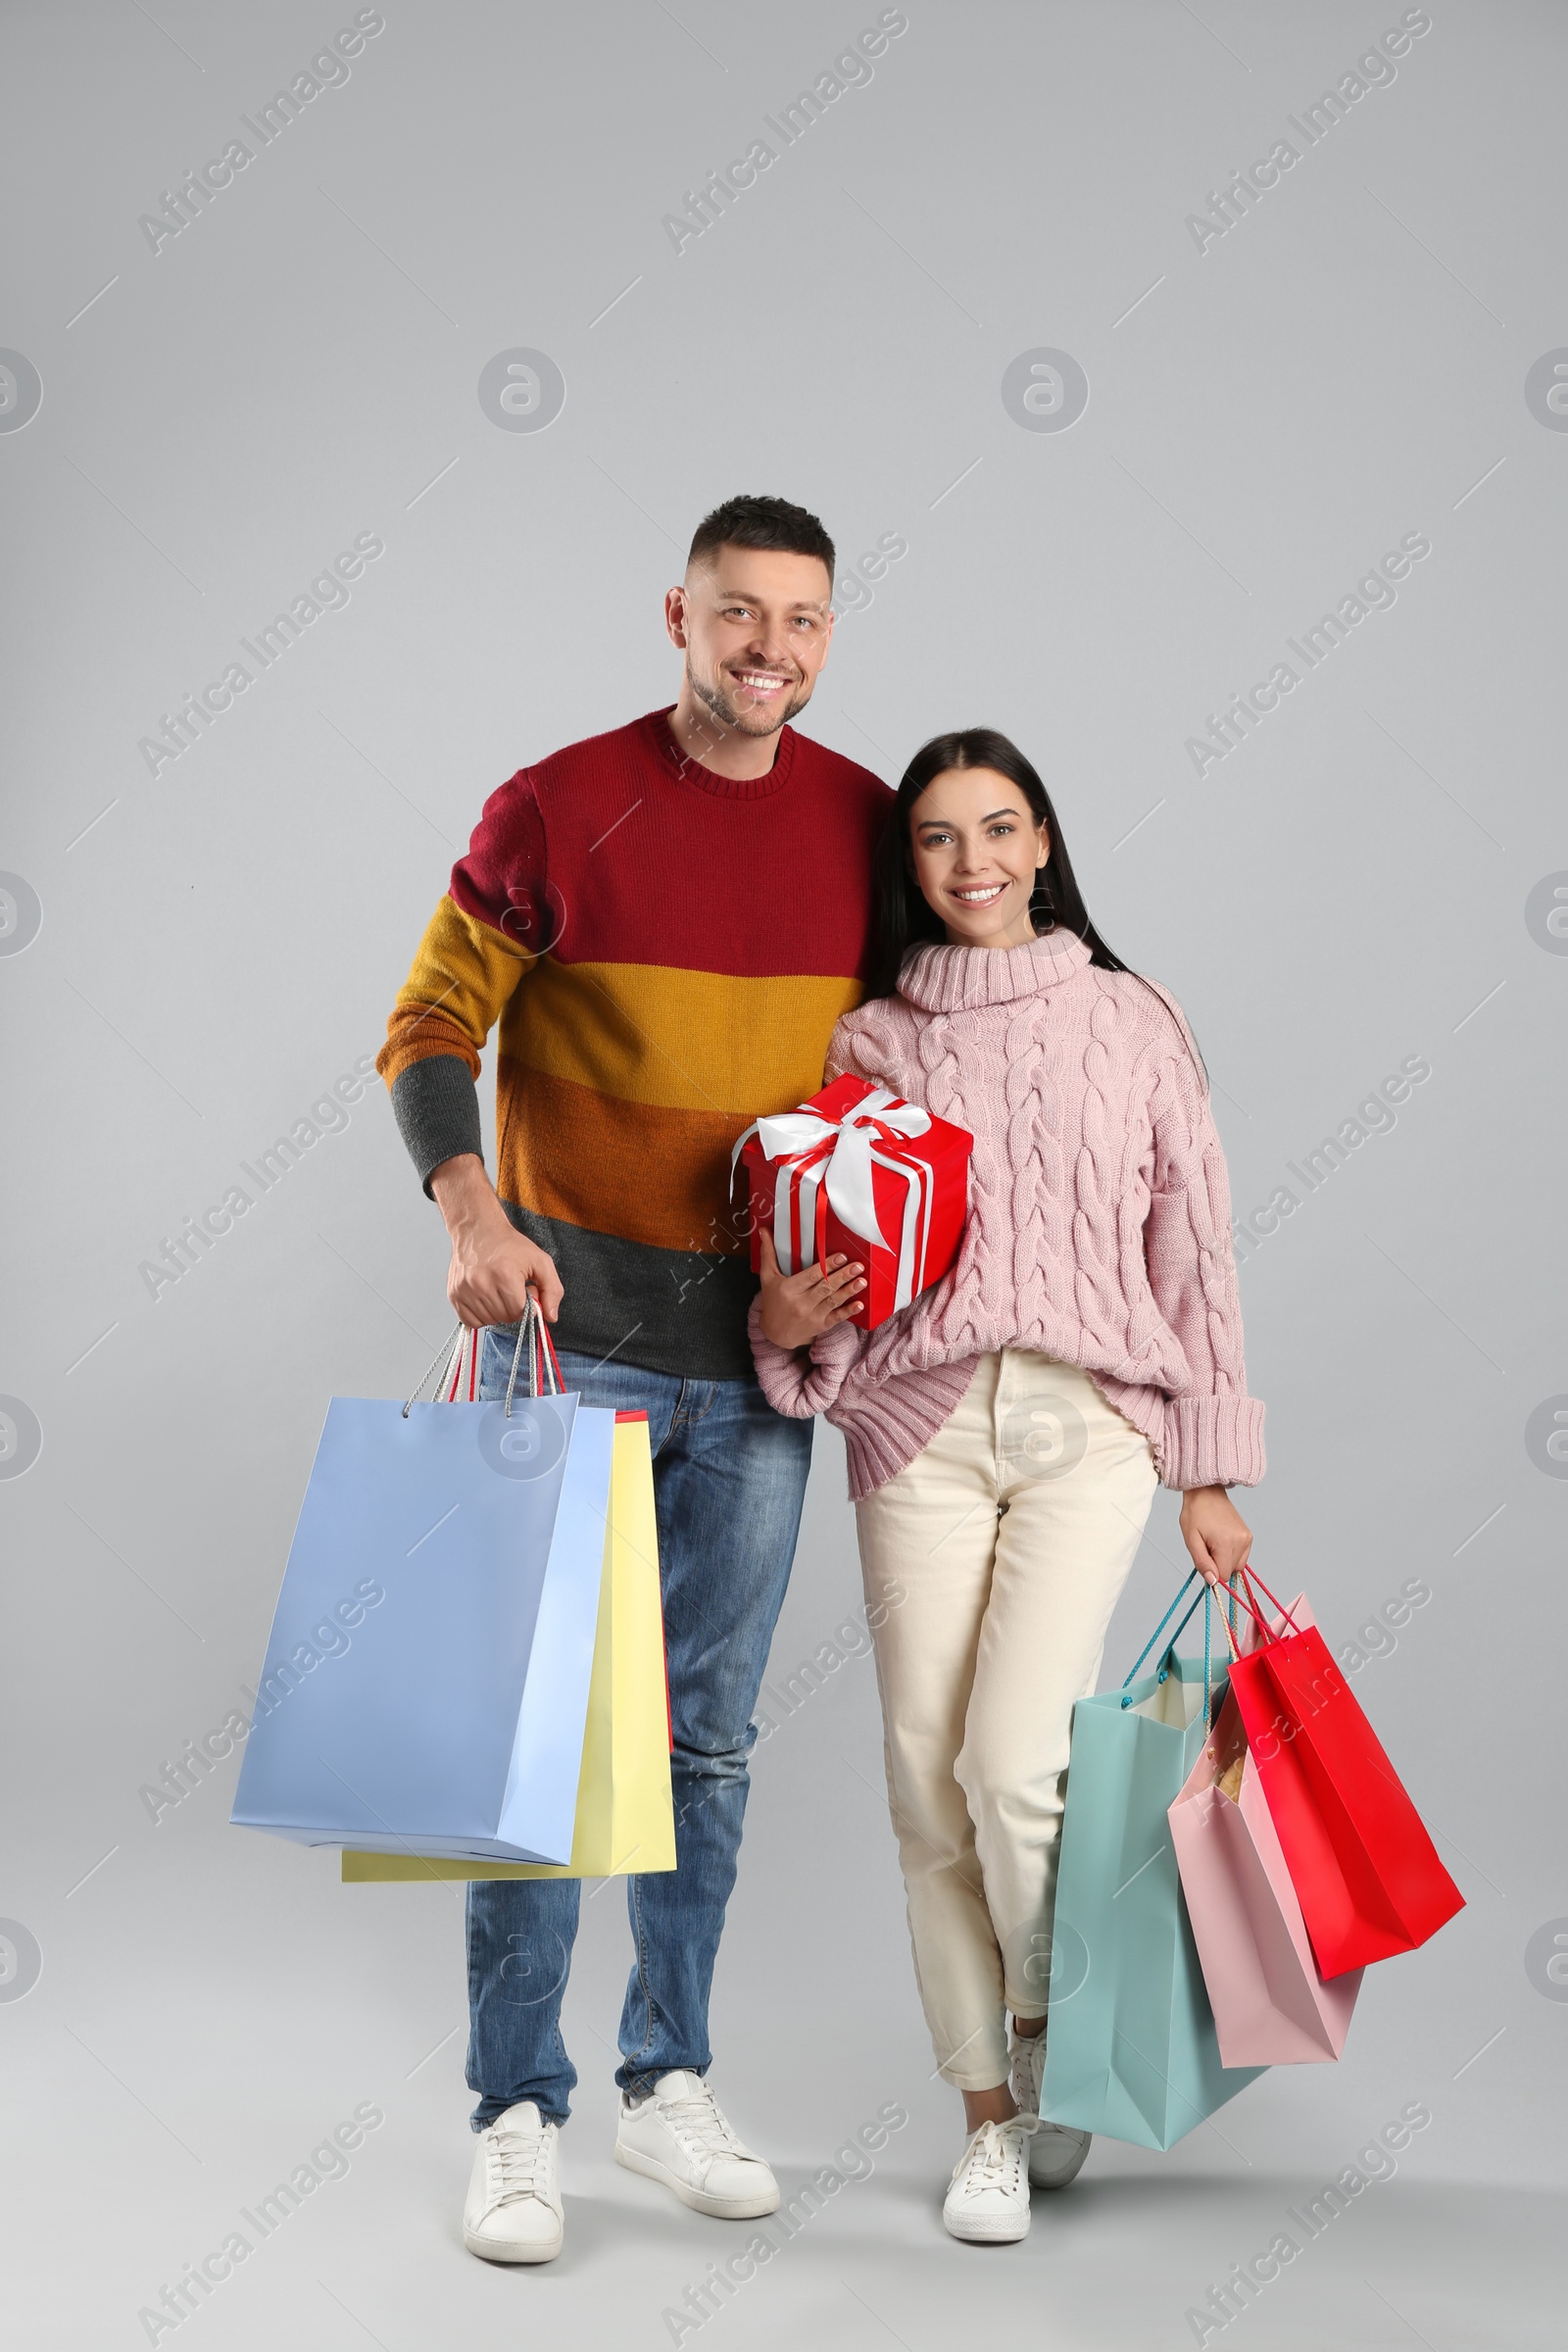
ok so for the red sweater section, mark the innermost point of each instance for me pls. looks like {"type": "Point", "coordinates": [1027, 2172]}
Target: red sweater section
{"type": "Point", "coordinates": [620, 850]}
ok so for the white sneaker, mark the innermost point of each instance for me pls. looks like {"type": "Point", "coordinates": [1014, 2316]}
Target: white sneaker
{"type": "Point", "coordinates": [989, 2199]}
{"type": "Point", "coordinates": [1056, 2152]}
{"type": "Point", "coordinates": [512, 2211]}
{"type": "Point", "coordinates": [677, 2135]}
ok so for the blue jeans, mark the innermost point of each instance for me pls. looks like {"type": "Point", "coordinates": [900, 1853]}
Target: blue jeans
{"type": "Point", "coordinates": [729, 1478]}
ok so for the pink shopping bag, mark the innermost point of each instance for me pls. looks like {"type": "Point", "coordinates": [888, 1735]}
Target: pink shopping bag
{"type": "Point", "coordinates": [1271, 2007]}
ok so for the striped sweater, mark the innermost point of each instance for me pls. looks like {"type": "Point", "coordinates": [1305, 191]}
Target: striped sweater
{"type": "Point", "coordinates": [667, 952]}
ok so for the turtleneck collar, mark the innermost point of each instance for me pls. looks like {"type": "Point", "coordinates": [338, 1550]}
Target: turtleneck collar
{"type": "Point", "coordinates": [944, 979]}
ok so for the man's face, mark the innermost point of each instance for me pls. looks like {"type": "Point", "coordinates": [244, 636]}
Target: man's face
{"type": "Point", "coordinates": [754, 630]}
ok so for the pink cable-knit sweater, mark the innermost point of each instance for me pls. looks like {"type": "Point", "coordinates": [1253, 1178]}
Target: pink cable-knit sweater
{"type": "Point", "coordinates": [1099, 1224]}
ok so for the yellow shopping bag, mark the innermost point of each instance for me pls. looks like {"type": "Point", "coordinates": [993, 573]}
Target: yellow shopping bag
{"type": "Point", "coordinates": [625, 1820]}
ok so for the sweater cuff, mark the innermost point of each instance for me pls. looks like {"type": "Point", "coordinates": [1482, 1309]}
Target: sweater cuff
{"type": "Point", "coordinates": [794, 1383]}
{"type": "Point", "coordinates": [436, 1104]}
{"type": "Point", "coordinates": [1212, 1441]}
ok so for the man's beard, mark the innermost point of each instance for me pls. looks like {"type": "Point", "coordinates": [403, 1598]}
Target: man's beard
{"type": "Point", "coordinates": [740, 722]}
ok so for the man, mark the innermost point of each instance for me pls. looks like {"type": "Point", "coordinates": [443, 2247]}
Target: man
{"type": "Point", "coordinates": [666, 921]}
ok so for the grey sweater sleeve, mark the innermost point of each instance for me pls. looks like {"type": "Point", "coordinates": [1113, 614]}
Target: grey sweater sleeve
{"type": "Point", "coordinates": [436, 1105]}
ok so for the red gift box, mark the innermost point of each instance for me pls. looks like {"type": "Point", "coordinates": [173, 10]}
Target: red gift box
{"type": "Point", "coordinates": [858, 1170]}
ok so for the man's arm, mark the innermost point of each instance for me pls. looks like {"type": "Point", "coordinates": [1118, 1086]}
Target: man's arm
{"type": "Point", "coordinates": [494, 1269]}
{"type": "Point", "coordinates": [478, 947]}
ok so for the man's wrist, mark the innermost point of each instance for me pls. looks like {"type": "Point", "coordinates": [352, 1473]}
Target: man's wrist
{"type": "Point", "coordinates": [464, 1192]}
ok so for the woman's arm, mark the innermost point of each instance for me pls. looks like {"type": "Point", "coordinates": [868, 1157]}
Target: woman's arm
{"type": "Point", "coordinates": [797, 1383]}
{"type": "Point", "coordinates": [794, 1312]}
{"type": "Point", "coordinates": [1214, 1435]}
{"type": "Point", "coordinates": [1215, 1533]}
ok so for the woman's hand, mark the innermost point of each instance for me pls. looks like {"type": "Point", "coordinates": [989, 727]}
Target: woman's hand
{"type": "Point", "coordinates": [797, 1306]}
{"type": "Point", "coordinates": [1214, 1533]}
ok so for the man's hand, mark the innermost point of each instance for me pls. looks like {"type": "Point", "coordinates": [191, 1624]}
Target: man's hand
{"type": "Point", "coordinates": [797, 1306]}
{"type": "Point", "coordinates": [1214, 1533]}
{"type": "Point", "coordinates": [495, 1270]}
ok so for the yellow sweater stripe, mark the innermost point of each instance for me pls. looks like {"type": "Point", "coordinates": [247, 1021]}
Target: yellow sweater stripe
{"type": "Point", "coordinates": [461, 981]}
{"type": "Point", "coordinates": [679, 1040]}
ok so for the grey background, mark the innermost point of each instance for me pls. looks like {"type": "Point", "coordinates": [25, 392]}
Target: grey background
{"type": "Point", "coordinates": [1265, 419]}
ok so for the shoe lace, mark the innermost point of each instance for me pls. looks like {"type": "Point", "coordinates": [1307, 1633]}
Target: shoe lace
{"type": "Point", "coordinates": [523, 2163]}
{"type": "Point", "coordinates": [996, 2152]}
{"type": "Point", "coordinates": [1029, 2061]}
{"type": "Point", "coordinates": [698, 2119]}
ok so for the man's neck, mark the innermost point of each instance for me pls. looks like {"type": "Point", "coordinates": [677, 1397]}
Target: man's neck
{"type": "Point", "coordinates": [725, 749]}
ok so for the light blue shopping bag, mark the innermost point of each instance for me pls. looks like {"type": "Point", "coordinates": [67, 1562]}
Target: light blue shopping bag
{"type": "Point", "coordinates": [1131, 2049]}
{"type": "Point", "coordinates": [426, 1684]}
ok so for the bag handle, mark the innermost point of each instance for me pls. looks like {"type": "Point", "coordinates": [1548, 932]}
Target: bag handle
{"type": "Point", "coordinates": [447, 1359]}
{"type": "Point", "coordinates": [467, 1346]}
{"type": "Point", "coordinates": [1249, 1576]}
{"type": "Point", "coordinates": [1132, 1671]}
{"type": "Point", "coordinates": [1206, 1598]}
{"type": "Point", "coordinates": [544, 1365]}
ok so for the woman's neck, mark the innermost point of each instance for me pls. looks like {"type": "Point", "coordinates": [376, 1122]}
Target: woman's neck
{"type": "Point", "coordinates": [1020, 933]}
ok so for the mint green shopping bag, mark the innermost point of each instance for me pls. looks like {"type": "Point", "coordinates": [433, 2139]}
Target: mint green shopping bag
{"type": "Point", "coordinates": [1131, 2049]}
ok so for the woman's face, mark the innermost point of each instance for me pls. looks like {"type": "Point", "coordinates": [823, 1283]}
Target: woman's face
{"type": "Point", "coordinates": [974, 849]}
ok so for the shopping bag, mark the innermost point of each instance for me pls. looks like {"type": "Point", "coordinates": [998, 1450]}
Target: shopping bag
{"type": "Point", "coordinates": [1131, 2049]}
{"type": "Point", "coordinates": [426, 1684]}
{"type": "Point", "coordinates": [625, 1820]}
{"type": "Point", "coordinates": [1366, 1873]}
{"type": "Point", "coordinates": [1271, 2007]}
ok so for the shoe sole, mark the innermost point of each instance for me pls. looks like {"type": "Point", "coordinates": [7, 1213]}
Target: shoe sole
{"type": "Point", "coordinates": [491, 2250]}
{"type": "Point", "coordinates": [720, 2209]}
{"type": "Point", "coordinates": [1000, 2232]}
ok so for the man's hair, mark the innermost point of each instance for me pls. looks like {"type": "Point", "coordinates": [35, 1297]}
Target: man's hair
{"type": "Point", "coordinates": [769, 523]}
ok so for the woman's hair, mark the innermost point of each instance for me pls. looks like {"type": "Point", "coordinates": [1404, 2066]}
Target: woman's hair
{"type": "Point", "coordinates": [902, 916]}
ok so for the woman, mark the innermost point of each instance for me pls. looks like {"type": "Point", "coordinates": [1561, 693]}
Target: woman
{"type": "Point", "coordinates": [1007, 1430]}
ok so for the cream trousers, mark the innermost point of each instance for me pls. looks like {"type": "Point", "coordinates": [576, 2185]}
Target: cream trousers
{"type": "Point", "coordinates": [992, 1566]}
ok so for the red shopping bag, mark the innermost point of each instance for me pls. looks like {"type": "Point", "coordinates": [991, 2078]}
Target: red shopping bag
{"type": "Point", "coordinates": [1365, 1871]}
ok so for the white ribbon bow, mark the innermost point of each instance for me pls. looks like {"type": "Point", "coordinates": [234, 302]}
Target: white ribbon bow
{"type": "Point", "coordinates": [848, 1174]}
